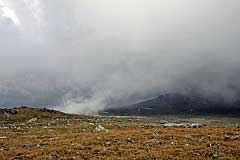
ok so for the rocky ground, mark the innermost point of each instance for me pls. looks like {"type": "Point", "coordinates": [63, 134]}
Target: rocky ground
{"type": "Point", "coordinates": [27, 133]}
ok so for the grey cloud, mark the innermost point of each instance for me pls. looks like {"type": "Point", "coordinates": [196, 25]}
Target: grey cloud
{"type": "Point", "coordinates": [82, 56]}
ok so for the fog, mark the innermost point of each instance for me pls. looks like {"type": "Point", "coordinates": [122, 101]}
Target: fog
{"type": "Point", "coordinates": [82, 56]}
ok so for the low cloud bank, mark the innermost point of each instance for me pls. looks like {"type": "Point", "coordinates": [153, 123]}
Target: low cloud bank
{"type": "Point", "coordinates": [83, 56]}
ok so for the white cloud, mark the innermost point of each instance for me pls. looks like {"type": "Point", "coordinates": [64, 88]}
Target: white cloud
{"type": "Point", "coordinates": [9, 13]}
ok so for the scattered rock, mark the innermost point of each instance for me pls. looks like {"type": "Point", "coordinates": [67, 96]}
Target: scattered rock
{"type": "Point", "coordinates": [214, 144]}
{"type": "Point", "coordinates": [183, 125]}
{"type": "Point", "coordinates": [171, 138]}
{"type": "Point", "coordinates": [195, 125]}
{"type": "Point", "coordinates": [201, 139]}
{"type": "Point", "coordinates": [32, 120]}
{"type": "Point", "coordinates": [130, 140]}
{"type": "Point", "coordinates": [108, 143]}
{"type": "Point", "coordinates": [30, 145]}
{"type": "Point", "coordinates": [100, 128]}
{"type": "Point", "coordinates": [7, 112]}
{"type": "Point", "coordinates": [48, 110]}
{"type": "Point", "coordinates": [209, 145]}
{"type": "Point", "coordinates": [148, 145]}
{"type": "Point", "coordinates": [163, 122]}
{"type": "Point", "coordinates": [163, 142]}
{"type": "Point", "coordinates": [83, 129]}
{"type": "Point", "coordinates": [231, 136]}
{"type": "Point", "coordinates": [8, 148]}
{"type": "Point", "coordinates": [188, 137]}
{"type": "Point", "coordinates": [216, 155]}
{"type": "Point", "coordinates": [3, 137]}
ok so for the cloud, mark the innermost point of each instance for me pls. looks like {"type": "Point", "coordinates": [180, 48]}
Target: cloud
{"type": "Point", "coordinates": [83, 56]}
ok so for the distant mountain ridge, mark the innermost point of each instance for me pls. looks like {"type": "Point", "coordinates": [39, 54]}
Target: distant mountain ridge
{"type": "Point", "coordinates": [174, 103]}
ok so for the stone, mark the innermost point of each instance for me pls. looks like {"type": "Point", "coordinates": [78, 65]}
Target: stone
{"type": "Point", "coordinates": [163, 142]}
{"type": "Point", "coordinates": [130, 140]}
{"type": "Point", "coordinates": [100, 128]}
{"type": "Point", "coordinates": [188, 137]}
{"type": "Point", "coordinates": [30, 145]}
{"type": "Point", "coordinates": [3, 137]}
{"type": "Point", "coordinates": [32, 120]}
{"type": "Point", "coordinates": [108, 143]}
{"type": "Point", "coordinates": [183, 125]}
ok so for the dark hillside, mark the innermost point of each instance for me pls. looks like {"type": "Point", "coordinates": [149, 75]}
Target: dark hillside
{"type": "Point", "coordinates": [177, 104]}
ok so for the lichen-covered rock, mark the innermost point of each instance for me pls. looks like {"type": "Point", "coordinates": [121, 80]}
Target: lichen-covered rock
{"type": "Point", "coordinates": [100, 128]}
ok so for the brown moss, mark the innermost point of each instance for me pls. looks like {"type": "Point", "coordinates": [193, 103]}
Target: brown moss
{"type": "Point", "coordinates": [73, 137]}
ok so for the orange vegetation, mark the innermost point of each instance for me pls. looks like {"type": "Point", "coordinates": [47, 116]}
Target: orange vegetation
{"type": "Point", "coordinates": [63, 136]}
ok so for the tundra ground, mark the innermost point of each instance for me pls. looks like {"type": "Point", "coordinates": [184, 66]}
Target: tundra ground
{"type": "Point", "coordinates": [44, 134]}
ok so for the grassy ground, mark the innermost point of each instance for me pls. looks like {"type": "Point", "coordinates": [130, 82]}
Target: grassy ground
{"type": "Point", "coordinates": [37, 134]}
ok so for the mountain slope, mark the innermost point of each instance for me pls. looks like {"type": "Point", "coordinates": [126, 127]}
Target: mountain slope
{"type": "Point", "coordinates": [177, 104]}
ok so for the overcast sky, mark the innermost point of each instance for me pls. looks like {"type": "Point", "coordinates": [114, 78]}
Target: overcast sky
{"type": "Point", "coordinates": [84, 55]}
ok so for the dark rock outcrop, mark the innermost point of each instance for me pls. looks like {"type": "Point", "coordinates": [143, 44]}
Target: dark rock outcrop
{"type": "Point", "coordinates": [7, 112]}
